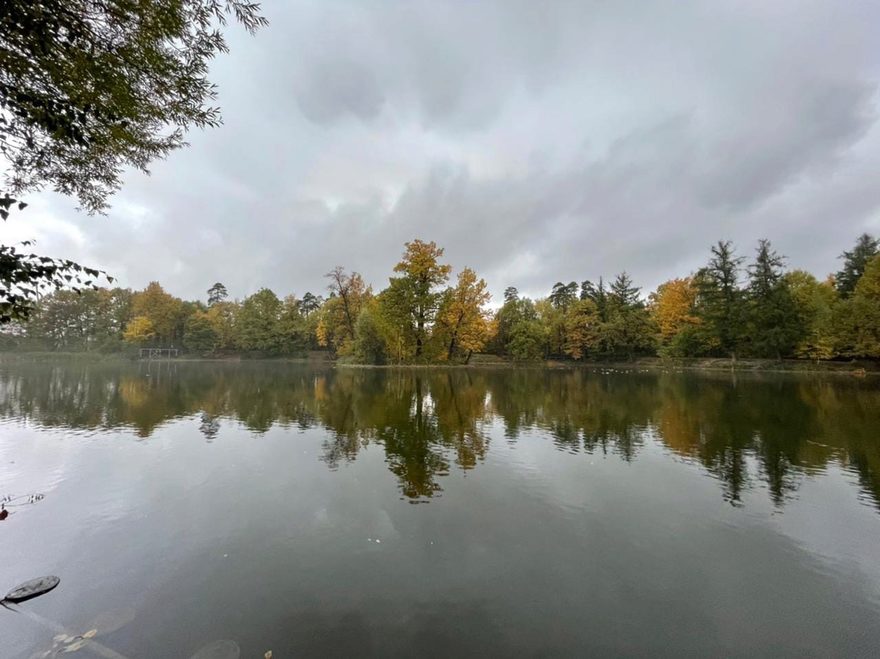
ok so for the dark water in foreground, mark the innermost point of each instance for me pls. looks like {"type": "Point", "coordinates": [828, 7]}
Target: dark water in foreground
{"type": "Point", "coordinates": [563, 513]}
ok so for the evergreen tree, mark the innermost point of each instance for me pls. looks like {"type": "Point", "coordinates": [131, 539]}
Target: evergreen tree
{"type": "Point", "coordinates": [623, 293]}
{"type": "Point", "coordinates": [597, 294]}
{"type": "Point", "coordinates": [720, 300]}
{"type": "Point", "coordinates": [563, 294]}
{"type": "Point", "coordinates": [774, 325]}
{"type": "Point", "coordinates": [854, 263]}
{"type": "Point", "coordinates": [217, 293]}
{"type": "Point", "coordinates": [311, 302]}
{"type": "Point", "coordinates": [627, 328]}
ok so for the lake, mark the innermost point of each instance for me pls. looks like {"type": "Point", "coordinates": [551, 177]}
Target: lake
{"type": "Point", "coordinates": [313, 511]}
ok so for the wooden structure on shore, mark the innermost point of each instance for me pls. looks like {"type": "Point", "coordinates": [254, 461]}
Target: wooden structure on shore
{"type": "Point", "coordinates": [159, 353]}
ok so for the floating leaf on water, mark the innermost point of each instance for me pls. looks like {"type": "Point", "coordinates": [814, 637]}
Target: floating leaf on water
{"type": "Point", "coordinates": [32, 588]}
{"type": "Point", "coordinates": [219, 650]}
{"type": "Point", "coordinates": [73, 647]}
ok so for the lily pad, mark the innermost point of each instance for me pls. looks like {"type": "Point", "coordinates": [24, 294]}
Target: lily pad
{"type": "Point", "coordinates": [32, 588]}
{"type": "Point", "coordinates": [219, 650]}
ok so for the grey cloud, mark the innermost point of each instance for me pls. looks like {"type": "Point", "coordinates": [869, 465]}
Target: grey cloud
{"type": "Point", "coordinates": [535, 142]}
{"type": "Point", "coordinates": [784, 135]}
{"type": "Point", "coordinates": [338, 88]}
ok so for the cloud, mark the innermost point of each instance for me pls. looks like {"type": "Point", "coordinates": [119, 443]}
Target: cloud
{"type": "Point", "coordinates": [536, 143]}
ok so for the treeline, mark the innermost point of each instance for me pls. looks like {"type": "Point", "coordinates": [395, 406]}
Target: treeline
{"type": "Point", "coordinates": [728, 308]}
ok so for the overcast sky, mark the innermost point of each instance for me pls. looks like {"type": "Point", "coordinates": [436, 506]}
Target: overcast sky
{"type": "Point", "coordinates": [535, 141]}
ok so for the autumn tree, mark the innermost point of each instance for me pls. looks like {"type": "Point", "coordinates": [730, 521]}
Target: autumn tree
{"type": "Point", "coordinates": [462, 323]}
{"type": "Point", "coordinates": [223, 317]}
{"type": "Point", "coordinates": [413, 298]}
{"type": "Point", "coordinates": [673, 310]}
{"type": "Point", "coordinates": [583, 328]}
{"type": "Point", "coordinates": [854, 263]}
{"type": "Point", "coordinates": [139, 331]}
{"type": "Point", "coordinates": [163, 310]}
{"type": "Point", "coordinates": [814, 302]}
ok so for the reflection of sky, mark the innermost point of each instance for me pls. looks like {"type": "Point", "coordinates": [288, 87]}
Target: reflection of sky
{"type": "Point", "coordinates": [826, 518]}
{"type": "Point", "coordinates": [179, 527]}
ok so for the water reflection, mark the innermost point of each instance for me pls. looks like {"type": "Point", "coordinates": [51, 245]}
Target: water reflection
{"type": "Point", "coordinates": [768, 431]}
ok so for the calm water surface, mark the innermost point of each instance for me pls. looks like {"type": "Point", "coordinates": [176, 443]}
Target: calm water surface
{"type": "Point", "coordinates": [448, 513]}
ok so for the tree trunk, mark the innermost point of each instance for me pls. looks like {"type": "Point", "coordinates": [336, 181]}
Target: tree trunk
{"type": "Point", "coordinates": [451, 350]}
{"type": "Point", "coordinates": [420, 329]}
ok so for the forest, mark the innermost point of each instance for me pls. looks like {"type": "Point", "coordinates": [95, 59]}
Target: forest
{"type": "Point", "coordinates": [728, 308]}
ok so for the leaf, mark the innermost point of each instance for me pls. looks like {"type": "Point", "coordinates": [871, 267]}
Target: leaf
{"type": "Point", "coordinates": [73, 647]}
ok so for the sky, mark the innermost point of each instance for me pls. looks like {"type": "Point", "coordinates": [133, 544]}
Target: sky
{"type": "Point", "coordinates": [535, 141]}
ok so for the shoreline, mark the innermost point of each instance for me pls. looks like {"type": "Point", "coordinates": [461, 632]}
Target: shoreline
{"type": "Point", "coordinates": [854, 368]}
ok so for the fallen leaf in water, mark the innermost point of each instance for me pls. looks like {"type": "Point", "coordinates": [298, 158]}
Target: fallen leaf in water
{"type": "Point", "coordinates": [73, 647]}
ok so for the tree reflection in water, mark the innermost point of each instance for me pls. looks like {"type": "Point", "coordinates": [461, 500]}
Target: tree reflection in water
{"type": "Point", "coordinates": [760, 430]}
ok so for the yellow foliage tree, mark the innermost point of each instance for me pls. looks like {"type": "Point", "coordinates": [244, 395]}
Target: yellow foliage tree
{"type": "Point", "coordinates": [582, 326]}
{"type": "Point", "coordinates": [413, 298]}
{"type": "Point", "coordinates": [672, 307]}
{"type": "Point", "coordinates": [139, 330]}
{"type": "Point", "coordinates": [461, 320]}
{"type": "Point", "coordinates": [160, 308]}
